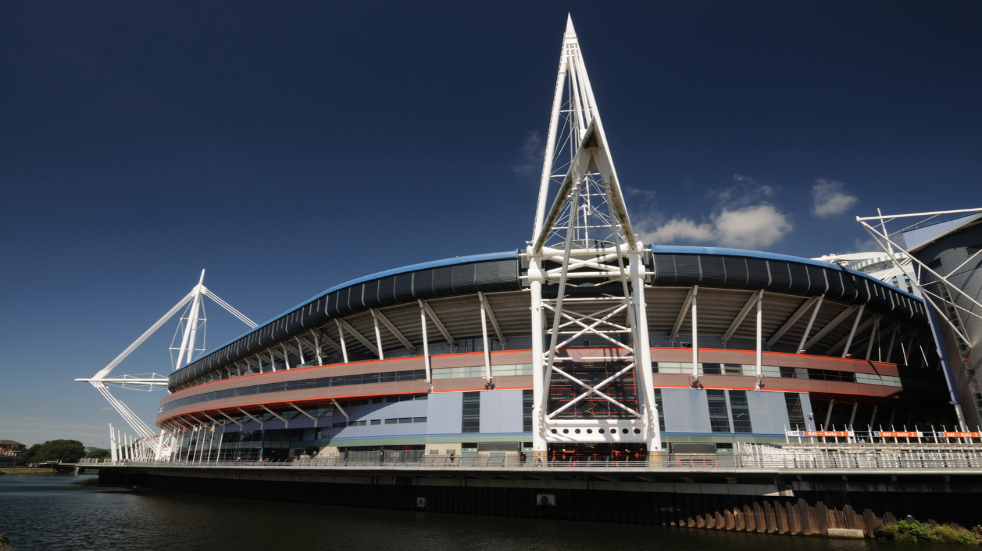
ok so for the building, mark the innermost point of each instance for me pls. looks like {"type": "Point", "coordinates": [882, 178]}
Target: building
{"type": "Point", "coordinates": [585, 344]}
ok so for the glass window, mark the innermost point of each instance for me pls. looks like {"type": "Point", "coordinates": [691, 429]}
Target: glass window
{"type": "Point", "coordinates": [527, 399]}
{"type": "Point", "coordinates": [471, 412]}
{"type": "Point", "coordinates": [719, 421]}
{"type": "Point", "coordinates": [740, 410]}
{"type": "Point", "coordinates": [405, 420]}
{"type": "Point", "coordinates": [711, 369]}
{"type": "Point", "coordinates": [378, 400]}
{"type": "Point", "coordinates": [796, 416]}
{"type": "Point", "coordinates": [661, 410]}
{"type": "Point", "coordinates": [419, 419]}
{"type": "Point", "coordinates": [391, 421]}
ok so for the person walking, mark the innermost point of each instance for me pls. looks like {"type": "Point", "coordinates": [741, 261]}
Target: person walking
{"type": "Point", "coordinates": [453, 455]}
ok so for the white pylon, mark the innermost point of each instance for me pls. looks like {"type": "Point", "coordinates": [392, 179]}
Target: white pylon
{"type": "Point", "coordinates": [586, 241]}
{"type": "Point", "coordinates": [186, 354]}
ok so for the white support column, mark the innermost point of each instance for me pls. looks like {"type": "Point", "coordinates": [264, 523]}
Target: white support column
{"type": "Point", "coordinates": [695, 337]}
{"type": "Point", "coordinates": [317, 346]}
{"type": "Point", "coordinates": [760, 339]}
{"type": "Point", "coordinates": [272, 359]}
{"type": "Point", "coordinates": [286, 357]}
{"type": "Point", "coordinates": [872, 337]}
{"type": "Point", "coordinates": [642, 354]}
{"type": "Point", "coordinates": [426, 346]}
{"type": "Point", "coordinates": [852, 416]}
{"type": "Point", "coordinates": [852, 333]}
{"type": "Point", "coordinates": [300, 350]}
{"type": "Point", "coordinates": [112, 444]}
{"type": "Point", "coordinates": [484, 336]}
{"type": "Point", "coordinates": [536, 276]}
{"type": "Point", "coordinates": [811, 322]}
{"type": "Point", "coordinates": [893, 341]}
{"type": "Point", "coordinates": [378, 336]}
{"type": "Point", "coordinates": [828, 415]}
{"type": "Point", "coordinates": [344, 348]}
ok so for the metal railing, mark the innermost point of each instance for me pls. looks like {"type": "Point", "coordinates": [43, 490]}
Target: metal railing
{"type": "Point", "coordinates": [753, 458]}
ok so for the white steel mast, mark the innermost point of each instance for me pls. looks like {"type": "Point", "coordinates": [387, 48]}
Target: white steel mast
{"type": "Point", "coordinates": [585, 240]}
{"type": "Point", "coordinates": [195, 320]}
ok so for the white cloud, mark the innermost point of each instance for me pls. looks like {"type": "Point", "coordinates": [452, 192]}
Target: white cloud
{"type": "Point", "coordinates": [829, 198]}
{"type": "Point", "coordinates": [680, 230]}
{"type": "Point", "coordinates": [642, 194]}
{"type": "Point", "coordinates": [532, 154]}
{"type": "Point", "coordinates": [745, 192]}
{"type": "Point", "coordinates": [751, 227]}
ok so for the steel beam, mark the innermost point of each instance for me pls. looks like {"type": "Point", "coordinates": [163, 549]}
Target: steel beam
{"type": "Point", "coordinates": [439, 324]}
{"type": "Point", "coordinates": [392, 329]}
{"type": "Point", "coordinates": [791, 321]}
{"type": "Point", "coordinates": [740, 317]}
{"type": "Point", "coordinates": [683, 312]}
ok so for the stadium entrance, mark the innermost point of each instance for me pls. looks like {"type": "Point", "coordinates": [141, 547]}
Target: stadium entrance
{"type": "Point", "coordinates": [598, 451]}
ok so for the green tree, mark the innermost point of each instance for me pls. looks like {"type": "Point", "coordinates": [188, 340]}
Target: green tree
{"type": "Point", "coordinates": [68, 451]}
{"type": "Point", "coordinates": [98, 454]}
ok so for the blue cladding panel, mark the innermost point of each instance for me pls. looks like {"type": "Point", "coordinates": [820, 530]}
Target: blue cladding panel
{"type": "Point", "coordinates": [686, 410]}
{"type": "Point", "coordinates": [501, 411]}
{"type": "Point", "coordinates": [444, 413]}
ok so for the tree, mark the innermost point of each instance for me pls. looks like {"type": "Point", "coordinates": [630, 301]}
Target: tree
{"type": "Point", "coordinates": [98, 454]}
{"type": "Point", "coordinates": [67, 451]}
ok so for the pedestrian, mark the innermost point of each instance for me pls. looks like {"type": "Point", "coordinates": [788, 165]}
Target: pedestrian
{"type": "Point", "coordinates": [453, 455]}
{"type": "Point", "coordinates": [523, 457]}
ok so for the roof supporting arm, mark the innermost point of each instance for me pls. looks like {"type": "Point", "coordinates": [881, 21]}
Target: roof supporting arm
{"type": "Point", "coordinates": [490, 313]}
{"type": "Point", "coordinates": [857, 328]}
{"type": "Point", "coordinates": [286, 422]}
{"type": "Point", "coordinates": [247, 414]}
{"type": "Point", "coordinates": [829, 327]}
{"type": "Point", "coordinates": [751, 302]}
{"type": "Point", "coordinates": [341, 409]}
{"type": "Point", "coordinates": [683, 312]}
{"type": "Point", "coordinates": [791, 321]}
{"type": "Point", "coordinates": [811, 323]}
{"type": "Point", "coordinates": [436, 321]}
{"type": "Point", "coordinates": [294, 406]}
{"type": "Point", "coordinates": [392, 329]}
{"type": "Point", "coordinates": [230, 419]}
{"type": "Point", "coordinates": [361, 338]}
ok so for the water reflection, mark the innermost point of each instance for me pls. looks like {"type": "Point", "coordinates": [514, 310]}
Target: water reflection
{"type": "Point", "coordinates": [64, 512]}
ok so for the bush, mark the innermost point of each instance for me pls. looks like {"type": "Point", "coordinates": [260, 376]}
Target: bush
{"type": "Point", "coordinates": [913, 532]}
{"type": "Point", "coordinates": [98, 454]}
{"type": "Point", "coordinates": [5, 543]}
{"type": "Point", "coordinates": [67, 451]}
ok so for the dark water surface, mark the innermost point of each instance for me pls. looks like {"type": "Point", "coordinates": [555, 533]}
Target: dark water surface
{"type": "Point", "coordinates": [67, 512]}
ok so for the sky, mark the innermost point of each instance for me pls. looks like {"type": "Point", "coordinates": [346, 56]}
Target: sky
{"type": "Point", "coordinates": [286, 147]}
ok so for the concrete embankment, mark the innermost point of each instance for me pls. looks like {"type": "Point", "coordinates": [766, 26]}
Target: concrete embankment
{"type": "Point", "coordinates": [774, 501]}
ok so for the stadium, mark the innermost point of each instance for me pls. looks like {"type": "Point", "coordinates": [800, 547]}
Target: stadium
{"type": "Point", "coordinates": [584, 344]}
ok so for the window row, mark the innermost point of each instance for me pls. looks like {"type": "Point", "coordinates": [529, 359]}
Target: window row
{"type": "Point", "coordinates": [749, 370]}
{"type": "Point", "coordinates": [303, 384]}
{"type": "Point", "coordinates": [370, 422]}
{"type": "Point", "coordinates": [479, 371]}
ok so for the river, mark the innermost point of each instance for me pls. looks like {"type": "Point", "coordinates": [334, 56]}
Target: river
{"type": "Point", "coordinates": [64, 512]}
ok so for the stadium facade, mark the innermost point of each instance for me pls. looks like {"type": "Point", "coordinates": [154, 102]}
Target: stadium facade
{"type": "Point", "coordinates": [586, 343]}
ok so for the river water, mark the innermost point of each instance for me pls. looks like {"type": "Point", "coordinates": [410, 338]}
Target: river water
{"type": "Point", "coordinates": [72, 513]}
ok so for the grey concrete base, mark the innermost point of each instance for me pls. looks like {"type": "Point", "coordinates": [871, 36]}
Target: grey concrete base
{"type": "Point", "coordinates": [845, 533]}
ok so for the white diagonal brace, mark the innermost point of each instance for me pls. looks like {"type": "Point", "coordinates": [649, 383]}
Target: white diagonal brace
{"type": "Point", "coordinates": [337, 405]}
{"type": "Point", "coordinates": [286, 422]}
{"type": "Point", "coordinates": [829, 327]}
{"type": "Point", "coordinates": [791, 321]}
{"type": "Point", "coordinates": [490, 313]}
{"type": "Point", "coordinates": [392, 329]}
{"type": "Point", "coordinates": [436, 321]}
{"type": "Point", "coordinates": [230, 418]}
{"type": "Point", "coordinates": [751, 302]}
{"type": "Point", "coordinates": [247, 414]}
{"type": "Point", "coordinates": [368, 344]}
{"type": "Point", "coordinates": [294, 406]}
{"type": "Point", "coordinates": [683, 312]}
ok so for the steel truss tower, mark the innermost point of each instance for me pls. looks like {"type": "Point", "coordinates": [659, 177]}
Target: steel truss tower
{"type": "Point", "coordinates": [147, 444]}
{"type": "Point", "coordinates": [586, 275]}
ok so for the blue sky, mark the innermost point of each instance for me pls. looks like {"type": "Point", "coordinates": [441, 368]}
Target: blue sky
{"type": "Point", "coordinates": [287, 147]}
